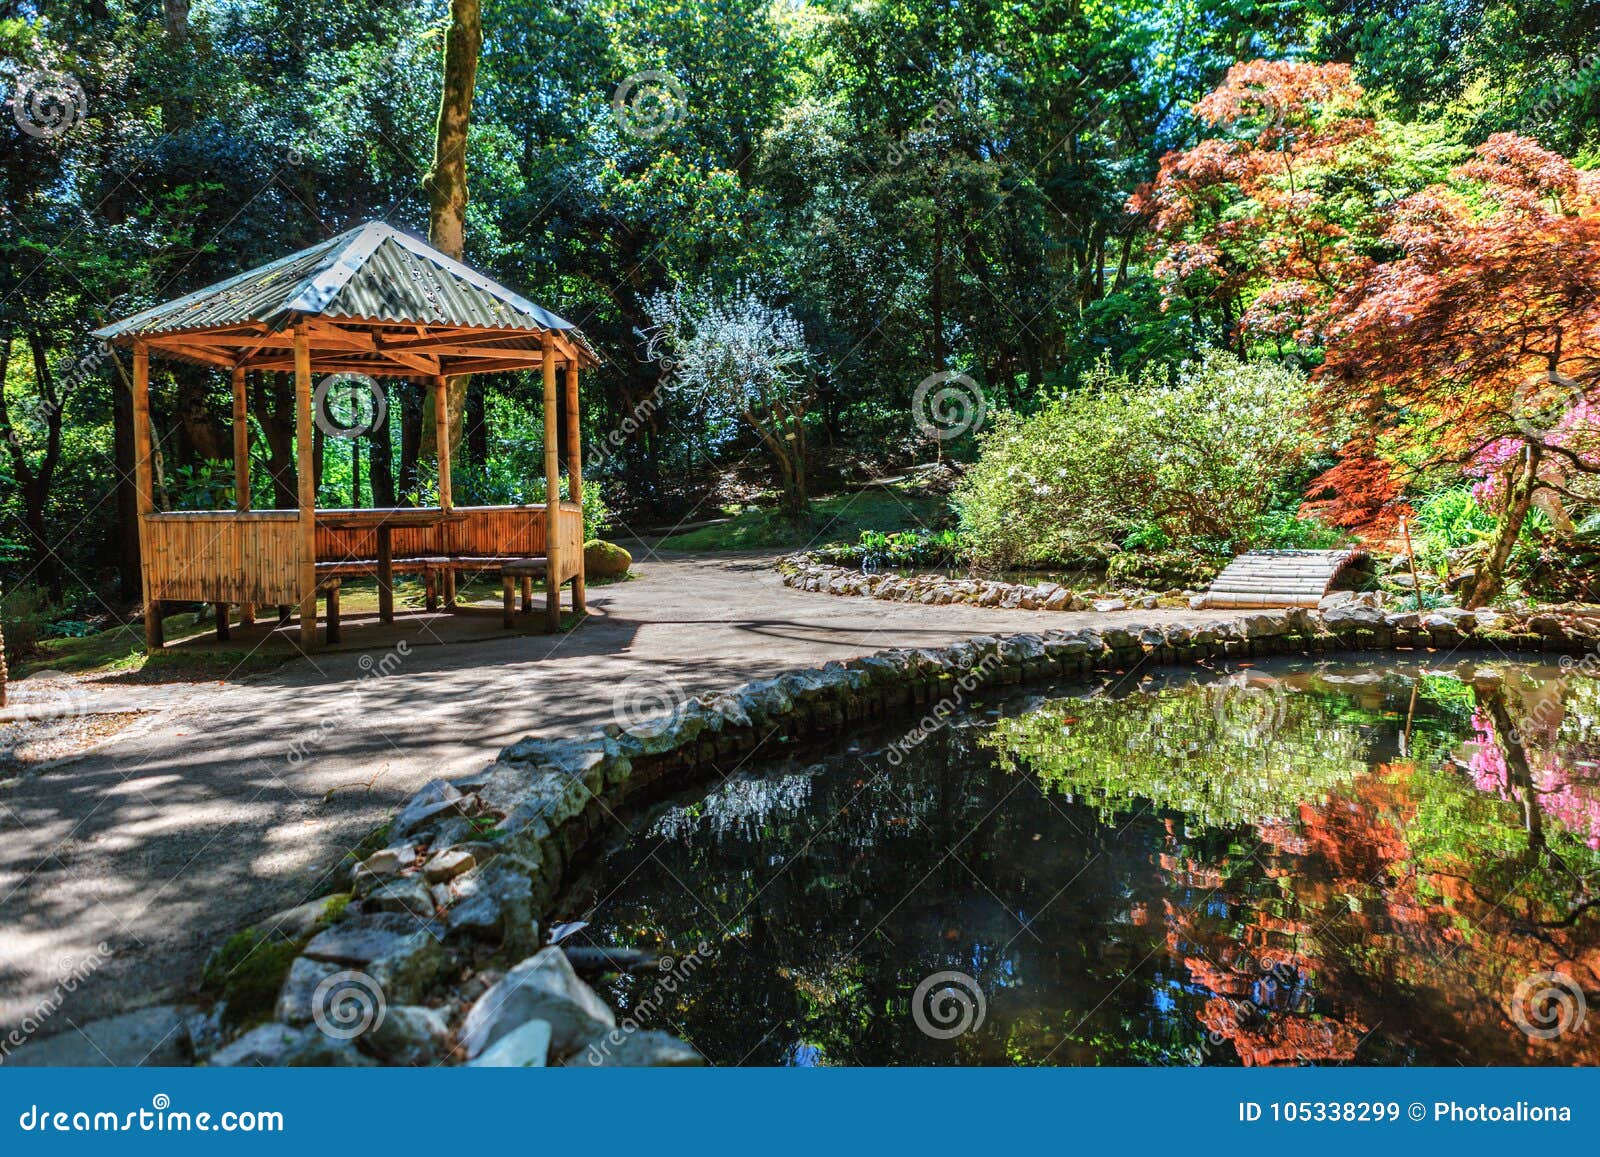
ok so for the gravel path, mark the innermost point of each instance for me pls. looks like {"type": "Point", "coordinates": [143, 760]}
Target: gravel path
{"type": "Point", "coordinates": [221, 803]}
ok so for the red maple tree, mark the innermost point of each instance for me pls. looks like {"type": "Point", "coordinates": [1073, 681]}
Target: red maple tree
{"type": "Point", "coordinates": [1478, 345]}
{"type": "Point", "coordinates": [1245, 217]}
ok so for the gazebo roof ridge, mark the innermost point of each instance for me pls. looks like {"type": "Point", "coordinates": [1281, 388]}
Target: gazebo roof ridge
{"type": "Point", "coordinates": [371, 275]}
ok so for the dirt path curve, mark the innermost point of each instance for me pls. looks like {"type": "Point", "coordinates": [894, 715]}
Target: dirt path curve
{"type": "Point", "coordinates": [228, 802]}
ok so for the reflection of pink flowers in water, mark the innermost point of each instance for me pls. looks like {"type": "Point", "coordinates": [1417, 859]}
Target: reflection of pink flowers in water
{"type": "Point", "coordinates": [1488, 762]}
{"type": "Point", "coordinates": [1565, 793]}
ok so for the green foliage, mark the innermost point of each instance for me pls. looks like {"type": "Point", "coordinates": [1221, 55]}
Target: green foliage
{"type": "Point", "coordinates": [1188, 460]}
{"type": "Point", "coordinates": [827, 520]}
{"type": "Point", "coordinates": [1221, 754]}
{"type": "Point", "coordinates": [25, 617]}
{"type": "Point", "coordinates": [896, 549]}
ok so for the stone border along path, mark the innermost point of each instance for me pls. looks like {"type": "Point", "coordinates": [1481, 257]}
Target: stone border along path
{"type": "Point", "coordinates": [804, 573]}
{"type": "Point", "coordinates": [472, 865]}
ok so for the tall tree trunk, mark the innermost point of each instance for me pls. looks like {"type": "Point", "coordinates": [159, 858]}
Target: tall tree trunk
{"type": "Point", "coordinates": [380, 468]}
{"type": "Point", "coordinates": [411, 411]}
{"type": "Point", "coordinates": [1520, 489]}
{"type": "Point", "coordinates": [446, 182]}
{"type": "Point", "coordinates": [127, 496]}
{"type": "Point", "coordinates": [273, 405]}
{"type": "Point", "coordinates": [477, 434]}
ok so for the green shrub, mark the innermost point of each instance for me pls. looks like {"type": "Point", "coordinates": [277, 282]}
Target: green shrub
{"type": "Point", "coordinates": [1162, 463]}
{"type": "Point", "coordinates": [899, 548]}
{"type": "Point", "coordinates": [25, 618]}
{"type": "Point", "coordinates": [1163, 568]}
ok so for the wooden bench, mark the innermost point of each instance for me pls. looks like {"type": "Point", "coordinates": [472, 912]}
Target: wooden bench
{"type": "Point", "coordinates": [523, 570]}
{"type": "Point", "coordinates": [512, 568]}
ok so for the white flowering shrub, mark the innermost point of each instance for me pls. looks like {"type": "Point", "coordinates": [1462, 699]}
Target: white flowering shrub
{"type": "Point", "coordinates": [743, 359]}
{"type": "Point", "coordinates": [1189, 460]}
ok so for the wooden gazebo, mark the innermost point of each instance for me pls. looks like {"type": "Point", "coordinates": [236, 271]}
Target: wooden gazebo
{"type": "Point", "coordinates": [372, 301]}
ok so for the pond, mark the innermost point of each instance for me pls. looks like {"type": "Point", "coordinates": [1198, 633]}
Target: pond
{"type": "Point", "coordinates": [1287, 863]}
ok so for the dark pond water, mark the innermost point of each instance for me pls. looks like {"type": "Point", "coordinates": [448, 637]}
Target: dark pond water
{"type": "Point", "coordinates": [1286, 864]}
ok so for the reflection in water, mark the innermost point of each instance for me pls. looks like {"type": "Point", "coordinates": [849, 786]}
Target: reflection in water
{"type": "Point", "coordinates": [1285, 865]}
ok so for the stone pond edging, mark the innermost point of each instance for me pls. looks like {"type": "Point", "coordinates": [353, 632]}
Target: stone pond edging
{"type": "Point", "coordinates": [471, 866]}
{"type": "Point", "coordinates": [803, 572]}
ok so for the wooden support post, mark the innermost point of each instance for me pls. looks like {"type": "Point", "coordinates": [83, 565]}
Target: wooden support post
{"type": "Point", "coordinates": [441, 437]}
{"type": "Point", "coordinates": [552, 491]}
{"type": "Point", "coordinates": [385, 575]}
{"type": "Point", "coordinates": [241, 468]}
{"type": "Point", "coordinates": [333, 611]}
{"type": "Point", "coordinates": [305, 476]}
{"type": "Point", "coordinates": [145, 499]}
{"type": "Point", "coordinates": [222, 621]}
{"type": "Point", "coordinates": [575, 477]}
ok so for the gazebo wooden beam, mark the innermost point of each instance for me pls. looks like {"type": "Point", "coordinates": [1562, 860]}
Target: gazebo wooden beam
{"type": "Point", "coordinates": [575, 473]}
{"type": "Point", "coordinates": [552, 492]}
{"type": "Point", "coordinates": [241, 477]}
{"type": "Point", "coordinates": [305, 477]}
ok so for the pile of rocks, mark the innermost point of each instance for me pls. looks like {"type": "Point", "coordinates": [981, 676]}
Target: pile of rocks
{"type": "Point", "coordinates": [803, 572]}
{"type": "Point", "coordinates": [472, 865]}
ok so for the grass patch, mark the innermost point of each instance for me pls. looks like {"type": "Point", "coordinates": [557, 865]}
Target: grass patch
{"type": "Point", "coordinates": [246, 974]}
{"type": "Point", "coordinates": [119, 651]}
{"type": "Point", "coordinates": [840, 517]}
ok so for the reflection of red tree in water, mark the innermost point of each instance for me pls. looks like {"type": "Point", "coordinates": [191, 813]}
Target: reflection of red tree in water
{"type": "Point", "coordinates": [1306, 976]}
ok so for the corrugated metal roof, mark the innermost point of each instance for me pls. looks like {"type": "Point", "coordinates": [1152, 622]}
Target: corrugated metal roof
{"type": "Point", "coordinates": [371, 273]}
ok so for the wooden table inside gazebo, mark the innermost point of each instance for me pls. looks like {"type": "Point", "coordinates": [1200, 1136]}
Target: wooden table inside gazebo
{"type": "Point", "coordinates": [375, 302]}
